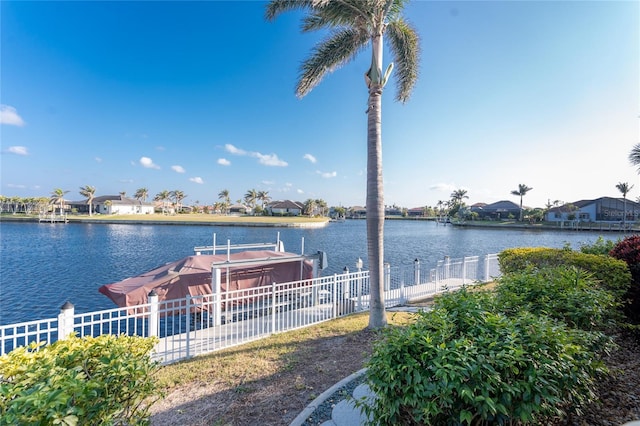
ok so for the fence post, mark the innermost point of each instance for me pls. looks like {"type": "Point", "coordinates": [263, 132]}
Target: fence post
{"type": "Point", "coordinates": [273, 307]}
{"type": "Point", "coordinates": [387, 276]}
{"type": "Point", "coordinates": [416, 272]}
{"type": "Point", "coordinates": [216, 278]}
{"type": "Point", "coordinates": [65, 320]}
{"type": "Point", "coordinates": [464, 269]}
{"type": "Point", "coordinates": [188, 325]}
{"type": "Point", "coordinates": [402, 300]}
{"type": "Point", "coordinates": [334, 298]}
{"type": "Point", "coordinates": [153, 313]}
{"type": "Point", "coordinates": [486, 269]}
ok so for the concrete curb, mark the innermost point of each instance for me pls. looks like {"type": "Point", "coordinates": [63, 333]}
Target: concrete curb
{"type": "Point", "coordinates": [304, 414]}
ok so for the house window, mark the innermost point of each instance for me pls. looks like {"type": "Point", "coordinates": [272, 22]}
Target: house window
{"type": "Point", "coordinates": [583, 216]}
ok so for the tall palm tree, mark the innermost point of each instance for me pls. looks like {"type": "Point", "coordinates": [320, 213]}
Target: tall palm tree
{"type": "Point", "coordinates": [162, 196]}
{"type": "Point", "coordinates": [264, 197]}
{"type": "Point", "coordinates": [250, 197]}
{"type": "Point", "coordinates": [224, 195]}
{"type": "Point", "coordinates": [322, 204]}
{"type": "Point", "coordinates": [57, 198]}
{"type": "Point", "coordinates": [177, 196]}
{"type": "Point", "coordinates": [457, 201]}
{"type": "Point", "coordinates": [353, 24]}
{"type": "Point", "coordinates": [634, 156]}
{"type": "Point", "coordinates": [89, 192]}
{"type": "Point", "coordinates": [625, 188]}
{"type": "Point", "coordinates": [309, 206]}
{"type": "Point", "coordinates": [141, 194]}
{"type": "Point", "coordinates": [521, 192]}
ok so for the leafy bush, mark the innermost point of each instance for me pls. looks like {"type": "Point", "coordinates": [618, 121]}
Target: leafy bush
{"type": "Point", "coordinates": [466, 363]}
{"type": "Point", "coordinates": [612, 274]}
{"type": "Point", "coordinates": [628, 250]}
{"type": "Point", "coordinates": [600, 246]}
{"type": "Point", "coordinates": [106, 380]}
{"type": "Point", "coordinates": [565, 293]}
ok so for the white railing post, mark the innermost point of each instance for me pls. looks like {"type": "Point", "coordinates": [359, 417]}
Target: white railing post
{"type": "Point", "coordinates": [273, 308]}
{"type": "Point", "coordinates": [216, 279]}
{"type": "Point", "coordinates": [188, 325]}
{"type": "Point", "coordinates": [416, 272]}
{"type": "Point", "coordinates": [464, 270]}
{"type": "Point", "coordinates": [486, 269]}
{"type": "Point", "coordinates": [65, 320]}
{"type": "Point", "coordinates": [334, 293]}
{"type": "Point", "coordinates": [153, 313]}
{"type": "Point", "coordinates": [402, 300]}
{"type": "Point", "coordinates": [387, 276]}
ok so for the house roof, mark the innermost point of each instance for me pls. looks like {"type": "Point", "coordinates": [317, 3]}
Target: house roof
{"type": "Point", "coordinates": [498, 206]}
{"type": "Point", "coordinates": [286, 204]}
{"type": "Point", "coordinates": [583, 203]}
{"type": "Point", "coordinates": [115, 200]}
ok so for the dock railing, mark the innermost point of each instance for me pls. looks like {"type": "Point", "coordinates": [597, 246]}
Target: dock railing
{"type": "Point", "coordinates": [201, 324]}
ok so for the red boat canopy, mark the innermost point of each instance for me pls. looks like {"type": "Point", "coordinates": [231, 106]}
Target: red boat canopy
{"type": "Point", "coordinates": [192, 276]}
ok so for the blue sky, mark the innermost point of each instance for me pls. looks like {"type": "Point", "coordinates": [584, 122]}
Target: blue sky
{"type": "Point", "coordinates": [199, 97]}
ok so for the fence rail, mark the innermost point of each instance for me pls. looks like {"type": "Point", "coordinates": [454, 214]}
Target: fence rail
{"type": "Point", "coordinates": [200, 324]}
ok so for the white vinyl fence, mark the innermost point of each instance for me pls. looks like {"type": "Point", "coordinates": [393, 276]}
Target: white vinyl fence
{"type": "Point", "coordinates": [201, 324]}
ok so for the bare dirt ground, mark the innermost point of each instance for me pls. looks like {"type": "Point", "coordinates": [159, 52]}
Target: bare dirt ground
{"type": "Point", "coordinates": [276, 399]}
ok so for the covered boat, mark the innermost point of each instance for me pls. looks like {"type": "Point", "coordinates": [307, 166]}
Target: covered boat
{"type": "Point", "coordinates": [192, 276]}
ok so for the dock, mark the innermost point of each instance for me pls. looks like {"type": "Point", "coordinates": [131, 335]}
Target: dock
{"type": "Point", "coordinates": [53, 218]}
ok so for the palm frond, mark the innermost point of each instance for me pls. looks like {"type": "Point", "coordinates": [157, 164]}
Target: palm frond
{"type": "Point", "coordinates": [329, 55]}
{"type": "Point", "coordinates": [405, 47]}
{"type": "Point", "coordinates": [634, 155]}
{"type": "Point", "coordinates": [276, 7]}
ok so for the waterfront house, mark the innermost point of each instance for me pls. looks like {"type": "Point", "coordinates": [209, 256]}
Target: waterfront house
{"type": "Point", "coordinates": [603, 209]}
{"type": "Point", "coordinates": [496, 211]}
{"type": "Point", "coordinates": [113, 204]}
{"type": "Point", "coordinates": [285, 208]}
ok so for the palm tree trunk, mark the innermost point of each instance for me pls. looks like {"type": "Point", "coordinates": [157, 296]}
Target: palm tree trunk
{"type": "Point", "coordinates": [375, 196]}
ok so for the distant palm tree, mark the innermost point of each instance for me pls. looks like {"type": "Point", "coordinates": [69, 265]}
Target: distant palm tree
{"type": "Point", "coordinates": [177, 196]}
{"type": "Point", "coordinates": [123, 194]}
{"type": "Point", "coordinates": [322, 204]}
{"type": "Point", "coordinates": [353, 25]}
{"type": "Point", "coordinates": [89, 192]}
{"type": "Point", "coordinates": [57, 197]}
{"type": "Point", "coordinates": [521, 192]}
{"type": "Point", "coordinates": [250, 197]}
{"type": "Point", "coordinates": [162, 196]}
{"type": "Point", "coordinates": [264, 197]}
{"type": "Point", "coordinates": [224, 195]}
{"type": "Point", "coordinates": [634, 156]}
{"type": "Point", "coordinates": [625, 188]}
{"type": "Point", "coordinates": [309, 206]}
{"type": "Point", "coordinates": [142, 194]}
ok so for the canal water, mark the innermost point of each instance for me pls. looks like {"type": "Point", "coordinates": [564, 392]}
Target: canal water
{"type": "Point", "coordinates": [43, 265]}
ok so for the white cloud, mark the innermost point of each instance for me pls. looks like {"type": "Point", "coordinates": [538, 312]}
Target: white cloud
{"type": "Point", "coordinates": [264, 159]}
{"type": "Point", "coordinates": [18, 150]}
{"type": "Point", "coordinates": [268, 182]}
{"type": "Point", "coordinates": [197, 179]}
{"type": "Point", "coordinates": [288, 184]}
{"type": "Point", "coordinates": [299, 191]}
{"type": "Point", "coordinates": [269, 160]}
{"type": "Point", "coordinates": [310, 158]}
{"type": "Point", "coordinates": [178, 169]}
{"type": "Point", "coordinates": [443, 187]}
{"type": "Point", "coordinates": [98, 159]}
{"type": "Point", "coordinates": [148, 163]}
{"type": "Point", "coordinates": [233, 150]}
{"type": "Point", "coordinates": [224, 162]}
{"type": "Point", "coordinates": [327, 175]}
{"type": "Point", "coordinates": [9, 115]}
{"type": "Point", "coordinates": [18, 186]}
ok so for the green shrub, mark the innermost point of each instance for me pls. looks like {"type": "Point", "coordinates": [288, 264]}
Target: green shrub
{"type": "Point", "coordinates": [600, 246]}
{"type": "Point", "coordinates": [464, 362]}
{"type": "Point", "coordinates": [628, 250]}
{"type": "Point", "coordinates": [565, 293]}
{"type": "Point", "coordinates": [107, 380]}
{"type": "Point", "coordinates": [612, 274]}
